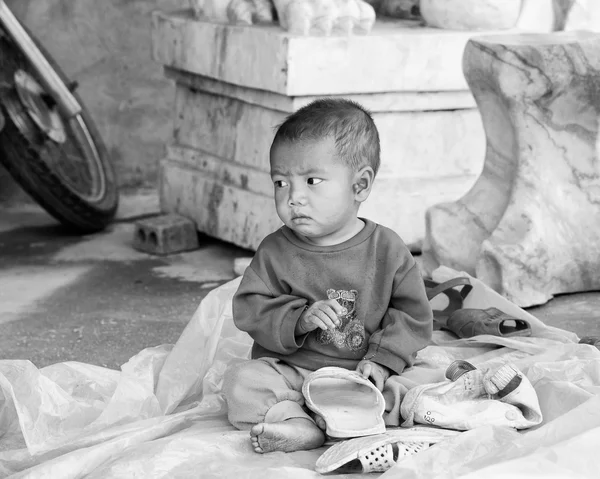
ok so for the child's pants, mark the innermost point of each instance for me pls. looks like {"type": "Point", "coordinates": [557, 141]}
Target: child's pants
{"type": "Point", "coordinates": [264, 390]}
{"type": "Point", "coordinates": [269, 390]}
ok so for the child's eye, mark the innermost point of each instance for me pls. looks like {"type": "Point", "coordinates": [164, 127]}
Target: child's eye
{"type": "Point", "coordinates": [280, 184]}
{"type": "Point", "coordinates": [314, 181]}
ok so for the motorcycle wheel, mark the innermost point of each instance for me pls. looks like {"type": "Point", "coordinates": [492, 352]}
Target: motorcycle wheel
{"type": "Point", "coordinates": [60, 162]}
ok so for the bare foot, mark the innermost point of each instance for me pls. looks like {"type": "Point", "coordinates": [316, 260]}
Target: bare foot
{"type": "Point", "coordinates": [296, 434]}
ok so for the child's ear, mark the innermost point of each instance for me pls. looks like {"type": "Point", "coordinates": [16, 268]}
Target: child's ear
{"type": "Point", "coordinates": [363, 182]}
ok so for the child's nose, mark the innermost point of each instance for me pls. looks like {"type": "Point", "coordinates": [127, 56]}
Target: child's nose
{"type": "Point", "coordinates": [297, 196]}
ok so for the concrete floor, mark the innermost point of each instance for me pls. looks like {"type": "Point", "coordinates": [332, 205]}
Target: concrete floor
{"type": "Point", "coordinates": [94, 299]}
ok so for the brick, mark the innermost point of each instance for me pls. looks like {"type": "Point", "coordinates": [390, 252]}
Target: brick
{"type": "Point", "coordinates": [165, 234]}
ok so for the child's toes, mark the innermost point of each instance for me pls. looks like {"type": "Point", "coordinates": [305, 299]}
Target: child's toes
{"type": "Point", "coordinates": [320, 422]}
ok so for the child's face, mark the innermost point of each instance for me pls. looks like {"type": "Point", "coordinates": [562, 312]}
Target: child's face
{"type": "Point", "coordinates": [314, 193]}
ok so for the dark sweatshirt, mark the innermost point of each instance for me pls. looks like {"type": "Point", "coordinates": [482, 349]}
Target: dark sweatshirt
{"type": "Point", "coordinates": [372, 274]}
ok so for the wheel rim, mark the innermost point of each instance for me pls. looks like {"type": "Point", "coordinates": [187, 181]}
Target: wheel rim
{"type": "Point", "coordinates": [65, 145]}
{"type": "Point", "coordinates": [44, 115]}
{"type": "Point", "coordinates": [76, 161]}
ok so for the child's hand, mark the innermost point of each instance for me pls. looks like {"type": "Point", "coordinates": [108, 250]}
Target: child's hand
{"type": "Point", "coordinates": [376, 372]}
{"type": "Point", "coordinates": [322, 314]}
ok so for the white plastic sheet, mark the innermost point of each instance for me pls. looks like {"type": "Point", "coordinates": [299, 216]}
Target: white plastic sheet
{"type": "Point", "coordinates": [163, 414]}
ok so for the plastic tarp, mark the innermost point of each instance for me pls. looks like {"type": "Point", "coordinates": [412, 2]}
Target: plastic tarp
{"type": "Point", "coordinates": [163, 414]}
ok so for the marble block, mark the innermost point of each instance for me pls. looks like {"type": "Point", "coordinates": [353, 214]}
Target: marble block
{"type": "Point", "coordinates": [397, 56]}
{"type": "Point", "coordinates": [530, 225]}
{"type": "Point", "coordinates": [235, 84]}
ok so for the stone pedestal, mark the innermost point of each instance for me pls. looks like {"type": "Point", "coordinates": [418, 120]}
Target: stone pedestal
{"type": "Point", "coordinates": [235, 84]}
{"type": "Point", "coordinates": [530, 226]}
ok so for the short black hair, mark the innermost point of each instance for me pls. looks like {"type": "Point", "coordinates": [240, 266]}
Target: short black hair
{"type": "Point", "coordinates": [349, 123]}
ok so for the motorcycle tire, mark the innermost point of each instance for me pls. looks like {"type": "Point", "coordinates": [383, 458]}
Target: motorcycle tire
{"type": "Point", "coordinates": [74, 181]}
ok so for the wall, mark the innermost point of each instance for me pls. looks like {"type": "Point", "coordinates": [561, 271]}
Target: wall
{"type": "Point", "coordinates": [105, 46]}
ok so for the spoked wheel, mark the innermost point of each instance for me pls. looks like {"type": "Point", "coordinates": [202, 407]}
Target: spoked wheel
{"type": "Point", "coordinates": [61, 162]}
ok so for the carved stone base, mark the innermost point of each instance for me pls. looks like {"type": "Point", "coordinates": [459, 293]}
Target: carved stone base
{"type": "Point", "coordinates": [530, 226]}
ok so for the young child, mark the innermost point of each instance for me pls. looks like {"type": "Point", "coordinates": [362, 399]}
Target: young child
{"type": "Point", "coordinates": [328, 288]}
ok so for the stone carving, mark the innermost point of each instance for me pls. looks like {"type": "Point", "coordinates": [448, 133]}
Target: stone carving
{"type": "Point", "coordinates": [530, 226]}
{"type": "Point", "coordinates": [405, 9]}
{"type": "Point", "coordinates": [581, 15]}
{"type": "Point", "coordinates": [302, 17]}
{"type": "Point", "coordinates": [542, 15]}
{"type": "Point", "coordinates": [234, 11]}
{"type": "Point", "coordinates": [559, 15]}
{"type": "Point", "coordinates": [324, 17]}
{"type": "Point", "coordinates": [471, 14]}
{"type": "Point", "coordinates": [309, 16]}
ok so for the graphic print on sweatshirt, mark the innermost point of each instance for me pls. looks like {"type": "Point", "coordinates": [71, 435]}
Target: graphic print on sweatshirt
{"type": "Point", "coordinates": [351, 332]}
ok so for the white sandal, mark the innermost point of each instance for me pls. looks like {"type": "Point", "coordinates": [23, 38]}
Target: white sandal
{"type": "Point", "coordinates": [380, 452]}
{"type": "Point", "coordinates": [350, 405]}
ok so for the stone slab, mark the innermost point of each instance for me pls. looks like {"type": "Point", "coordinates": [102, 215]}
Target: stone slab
{"type": "Point", "coordinates": [375, 102]}
{"type": "Point", "coordinates": [414, 144]}
{"type": "Point", "coordinates": [396, 56]}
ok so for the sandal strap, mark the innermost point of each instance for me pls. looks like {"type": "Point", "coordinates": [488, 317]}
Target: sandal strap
{"type": "Point", "coordinates": [410, 448]}
{"type": "Point", "coordinates": [458, 368]}
{"type": "Point", "coordinates": [503, 382]}
{"type": "Point", "coordinates": [442, 287]}
{"type": "Point", "coordinates": [379, 459]}
{"type": "Point", "coordinates": [469, 322]}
